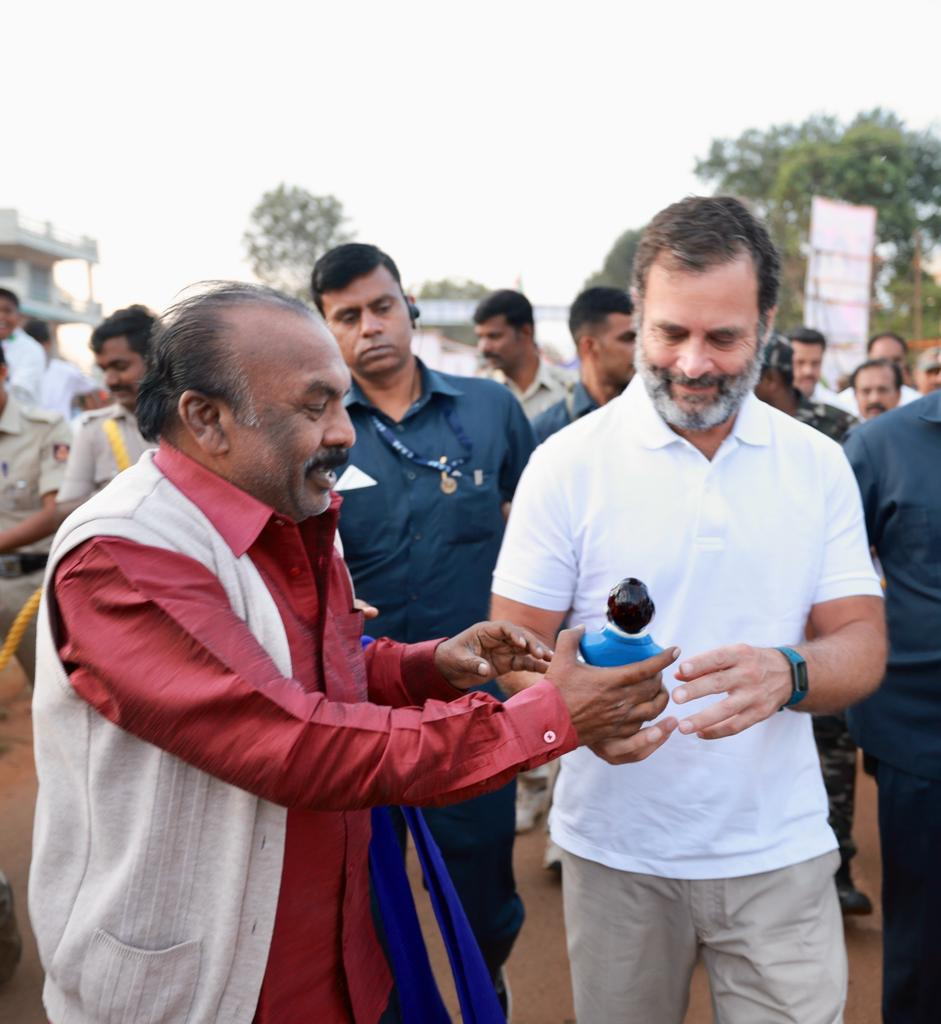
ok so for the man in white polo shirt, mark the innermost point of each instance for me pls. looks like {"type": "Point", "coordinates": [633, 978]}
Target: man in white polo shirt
{"type": "Point", "coordinates": [746, 525]}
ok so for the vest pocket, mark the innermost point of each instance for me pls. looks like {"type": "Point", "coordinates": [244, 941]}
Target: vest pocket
{"type": "Point", "coordinates": [122, 983]}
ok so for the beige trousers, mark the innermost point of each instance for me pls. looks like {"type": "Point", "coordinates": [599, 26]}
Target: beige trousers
{"type": "Point", "coordinates": [772, 944]}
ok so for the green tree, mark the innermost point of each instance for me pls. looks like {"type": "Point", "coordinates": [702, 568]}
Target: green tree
{"type": "Point", "coordinates": [874, 160]}
{"type": "Point", "coordinates": [288, 230]}
{"type": "Point", "coordinates": [452, 288]}
{"type": "Point", "coordinates": [616, 269]}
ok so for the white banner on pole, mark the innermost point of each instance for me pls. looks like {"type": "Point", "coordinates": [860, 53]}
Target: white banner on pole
{"type": "Point", "coordinates": [839, 277]}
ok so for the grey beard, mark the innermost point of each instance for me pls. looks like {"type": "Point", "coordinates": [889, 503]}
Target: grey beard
{"type": "Point", "coordinates": [733, 390]}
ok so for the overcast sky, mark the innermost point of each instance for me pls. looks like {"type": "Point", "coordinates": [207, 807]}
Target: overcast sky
{"type": "Point", "coordinates": [486, 140]}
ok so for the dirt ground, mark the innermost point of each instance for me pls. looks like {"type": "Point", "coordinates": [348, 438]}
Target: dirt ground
{"type": "Point", "coordinates": [538, 969]}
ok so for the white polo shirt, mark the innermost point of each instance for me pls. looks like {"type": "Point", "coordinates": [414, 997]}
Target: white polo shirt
{"type": "Point", "coordinates": [737, 549]}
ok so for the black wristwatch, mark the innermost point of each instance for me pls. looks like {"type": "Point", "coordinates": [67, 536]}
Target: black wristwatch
{"type": "Point", "coordinates": [799, 683]}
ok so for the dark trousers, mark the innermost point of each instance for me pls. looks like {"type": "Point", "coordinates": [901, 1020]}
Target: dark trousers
{"type": "Point", "coordinates": [910, 834]}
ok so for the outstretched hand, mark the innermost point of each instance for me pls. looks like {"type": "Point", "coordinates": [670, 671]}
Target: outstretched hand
{"type": "Point", "coordinates": [609, 706]}
{"type": "Point", "coordinates": [489, 649]}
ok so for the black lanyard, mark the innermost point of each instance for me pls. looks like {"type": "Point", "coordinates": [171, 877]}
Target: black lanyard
{"type": "Point", "coordinates": [441, 465]}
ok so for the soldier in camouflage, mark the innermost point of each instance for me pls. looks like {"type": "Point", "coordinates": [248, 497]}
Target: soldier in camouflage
{"type": "Point", "coordinates": [834, 745]}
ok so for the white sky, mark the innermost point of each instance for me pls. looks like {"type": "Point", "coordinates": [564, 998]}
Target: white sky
{"type": "Point", "coordinates": [485, 140]}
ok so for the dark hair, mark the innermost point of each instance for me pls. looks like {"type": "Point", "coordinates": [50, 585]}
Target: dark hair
{"type": "Point", "coordinates": [594, 304]}
{"type": "Point", "coordinates": [871, 364]}
{"type": "Point", "coordinates": [136, 323]}
{"type": "Point", "coordinates": [886, 334]}
{"type": "Point", "coordinates": [807, 336]}
{"type": "Point", "coordinates": [336, 268]}
{"type": "Point", "coordinates": [514, 306]}
{"type": "Point", "coordinates": [701, 232]}
{"type": "Point", "coordinates": [38, 329]}
{"type": "Point", "coordinates": [5, 293]}
{"type": "Point", "coordinates": [189, 352]}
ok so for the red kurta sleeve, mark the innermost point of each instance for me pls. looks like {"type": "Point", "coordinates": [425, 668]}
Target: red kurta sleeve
{"type": "Point", "coordinates": [150, 641]}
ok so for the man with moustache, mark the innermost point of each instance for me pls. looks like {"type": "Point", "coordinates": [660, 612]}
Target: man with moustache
{"type": "Point", "coordinates": [436, 459]}
{"type": "Point", "coordinates": [601, 322]}
{"type": "Point", "coordinates": [209, 730]}
{"type": "Point", "coordinates": [877, 386]}
{"type": "Point", "coordinates": [506, 342]}
{"type": "Point", "coordinates": [808, 346]}
{"type": "Point", "coordinates": [108, 436]}
{"type": "Point", "coordinates": [884, 347]}
{"type": "Point", "coordinates": [745, 525]}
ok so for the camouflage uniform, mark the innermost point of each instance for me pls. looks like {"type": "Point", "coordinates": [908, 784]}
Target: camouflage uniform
{"type": "Point", "coordinates": [834, 745]}
{"type": "Point", "coordinates": [829, 420]}
{"type": "Point", "coordinates": [836, 749]}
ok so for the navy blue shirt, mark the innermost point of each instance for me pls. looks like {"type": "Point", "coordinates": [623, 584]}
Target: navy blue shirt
{"type": "Point", "coordinates": [422, 557]}
{"type": "Point", "coordinates": [564, 412]}
{"type": "Point", "coordinates": [897, 461]}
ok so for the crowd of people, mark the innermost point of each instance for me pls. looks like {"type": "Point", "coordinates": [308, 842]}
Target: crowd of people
{"type": "Point", "coordinates": [282, 515]}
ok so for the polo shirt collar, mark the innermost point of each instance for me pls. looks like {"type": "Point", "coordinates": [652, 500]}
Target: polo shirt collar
{"type": "Point", "coordinates": [432, 383]}
{"type": "Point", "coordinates": [752, 424]}
{"type": "Point", "coordinates": [11, 422]}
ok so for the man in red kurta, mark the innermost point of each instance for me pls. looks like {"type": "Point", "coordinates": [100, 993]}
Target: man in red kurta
{"type": "Point", "coordinates": [245, 395]}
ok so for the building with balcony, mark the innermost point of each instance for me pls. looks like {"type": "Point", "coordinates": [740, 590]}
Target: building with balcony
{"type": "Point", "coordinates": [29, 252]}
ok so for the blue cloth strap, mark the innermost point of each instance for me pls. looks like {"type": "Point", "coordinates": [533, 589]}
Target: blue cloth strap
{"type": "Point", "coordinates": [419, 998]}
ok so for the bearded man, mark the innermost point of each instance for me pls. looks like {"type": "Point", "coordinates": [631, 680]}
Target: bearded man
{"type": "Point", "coordinates": [746, 525]}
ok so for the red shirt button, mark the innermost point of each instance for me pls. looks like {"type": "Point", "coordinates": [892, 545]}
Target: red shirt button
{"type": "Point", "coordinates": [548, 736]}
{"type": "Point", "coordinates": [294, 571]}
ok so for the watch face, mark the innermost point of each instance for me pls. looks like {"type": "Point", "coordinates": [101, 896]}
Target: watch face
{"type": "Point", "coordinates": [799, 681]}
{"type": "Point", "coordinates": [800, 676]}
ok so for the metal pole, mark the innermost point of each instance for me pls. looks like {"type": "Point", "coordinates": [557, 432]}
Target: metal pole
{"type": "Point", "coordinates": [916, 296]}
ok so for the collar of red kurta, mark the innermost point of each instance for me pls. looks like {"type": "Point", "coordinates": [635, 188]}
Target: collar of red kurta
{"type": "Point", "coordinates": [237, 515]}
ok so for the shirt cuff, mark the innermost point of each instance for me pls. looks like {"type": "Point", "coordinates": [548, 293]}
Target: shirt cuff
{"type": "Point", "coordinates": [423, 679]}
{"type": "Point", "coordinates": [543, 722]}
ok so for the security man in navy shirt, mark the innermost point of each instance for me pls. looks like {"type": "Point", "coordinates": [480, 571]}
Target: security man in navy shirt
{"type": "Point", "coordinates": [896, 459]}
{"type": "Point", "coordinates": [425, 495]}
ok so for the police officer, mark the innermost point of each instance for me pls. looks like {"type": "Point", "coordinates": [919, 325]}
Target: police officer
{"type": "Point", "coordinates": [34, 447]}
{"type": "Point", "coordinates": [834, 744]}
{"type": "Point", "coordinates": [108, 439]}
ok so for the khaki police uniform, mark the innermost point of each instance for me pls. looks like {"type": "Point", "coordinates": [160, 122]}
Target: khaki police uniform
{"type": "Point", "coordinates": [92, 463]}
{"type": "Point", "coordinates": [34, 449]}
{"type": "Point", "coordinates": [550, 385]}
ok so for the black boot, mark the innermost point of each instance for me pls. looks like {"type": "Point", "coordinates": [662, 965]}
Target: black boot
{"type": "Point", "coordinates": [852, 901]}
{"type": "Point", "coordinates": [11, 946]}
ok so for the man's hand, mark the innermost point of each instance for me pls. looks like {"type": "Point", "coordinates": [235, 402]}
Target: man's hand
{"type": "Point", "coordinates": [756, 679]}
{"type": "Point", "coordinates": [609, 706]}
{"type": "Point", "coordinates": [489, 649]}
